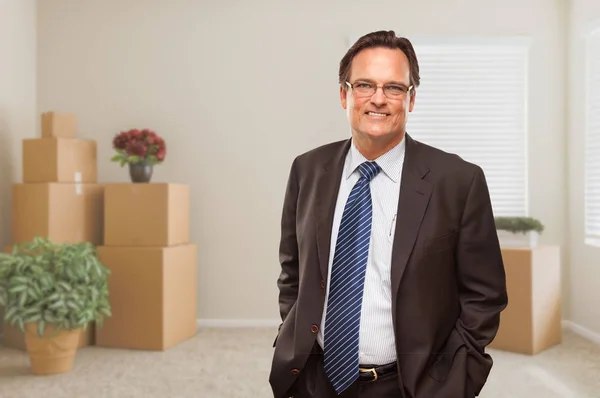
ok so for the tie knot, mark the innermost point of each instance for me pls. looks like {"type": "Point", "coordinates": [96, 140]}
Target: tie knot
{"type": "Point", "coordinates": [369, 170]}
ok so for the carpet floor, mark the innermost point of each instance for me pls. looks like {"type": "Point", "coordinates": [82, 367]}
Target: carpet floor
{"type": "Point", "coordinates": [234, 363]}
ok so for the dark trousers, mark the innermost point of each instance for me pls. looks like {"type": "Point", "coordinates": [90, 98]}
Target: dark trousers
{"type": "Point", "coordinates": [312, 382]}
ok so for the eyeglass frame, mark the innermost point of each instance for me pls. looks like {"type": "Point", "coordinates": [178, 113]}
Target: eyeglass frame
{"type": "Point", "coordinates": [377, 86]}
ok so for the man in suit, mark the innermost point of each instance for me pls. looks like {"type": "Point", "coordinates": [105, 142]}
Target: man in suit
{"type": "Point", "coordinates": [392, 280]}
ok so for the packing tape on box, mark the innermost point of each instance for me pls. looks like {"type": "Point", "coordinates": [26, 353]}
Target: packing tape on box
{"type": "Point", "coordinates": [78, 186]}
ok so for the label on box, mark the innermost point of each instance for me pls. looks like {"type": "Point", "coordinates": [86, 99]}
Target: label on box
{"type": "Point", "coordinates": [78, 176]}
{"type": "Point", "coordinates": [78, 189]}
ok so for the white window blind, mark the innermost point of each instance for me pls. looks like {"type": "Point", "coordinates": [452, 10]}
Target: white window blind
{"type": "Point", "coordinates": [592, 141]}
{"type": "Point", "coordinates": [472, 102]}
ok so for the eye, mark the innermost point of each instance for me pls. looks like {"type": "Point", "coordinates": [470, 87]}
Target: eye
{"type": "Point", "coordinates": [396, 89]}
{"type": "Point", "coordinates": [363, 85]}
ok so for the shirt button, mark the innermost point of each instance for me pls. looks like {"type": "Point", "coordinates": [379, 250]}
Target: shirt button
{"type": "Point", "coordinates": [314, 328]}
{"type": "Point", "coordinates": [295, 371]}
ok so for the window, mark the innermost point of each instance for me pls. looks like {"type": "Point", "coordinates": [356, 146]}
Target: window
{"type": "Point", "coordinates": [592, 141]}
{"type": "Point", "coordinates": [472, 101]}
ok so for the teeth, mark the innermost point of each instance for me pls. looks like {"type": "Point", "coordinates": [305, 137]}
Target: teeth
{"type": "Point", "coordinates": [377, 114]}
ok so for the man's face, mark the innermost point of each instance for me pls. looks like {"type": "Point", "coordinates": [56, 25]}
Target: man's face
{"type": "Point", "coordinates": [378, 117]}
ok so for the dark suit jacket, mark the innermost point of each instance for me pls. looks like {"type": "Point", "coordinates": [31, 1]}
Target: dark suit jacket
{"type": "Point", "coordinates": [447, 274]}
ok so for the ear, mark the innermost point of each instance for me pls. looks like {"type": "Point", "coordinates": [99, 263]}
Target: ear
{"type": "Point", "coordinates": [411, 104]}
{"type": "Point", "coordinates": [343, 97]}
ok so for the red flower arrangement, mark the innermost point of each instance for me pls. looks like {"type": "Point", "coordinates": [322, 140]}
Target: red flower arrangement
{"type": "Point", "coordinates": [139, 146]}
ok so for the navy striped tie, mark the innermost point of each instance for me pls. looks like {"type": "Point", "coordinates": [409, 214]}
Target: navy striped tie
{"type": "Point", "coordinates": [344, 304]}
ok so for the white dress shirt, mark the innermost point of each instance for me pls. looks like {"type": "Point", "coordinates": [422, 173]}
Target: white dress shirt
{"type": "Point", "coordinates": [377, 345]}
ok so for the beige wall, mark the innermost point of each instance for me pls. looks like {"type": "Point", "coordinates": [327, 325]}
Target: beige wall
{"type": "Point", "coordinates": [239, 88]}
{"type": "Point", "coordinates": [584, 259]}
{"type": "Point", "coordinates": [17, 97]}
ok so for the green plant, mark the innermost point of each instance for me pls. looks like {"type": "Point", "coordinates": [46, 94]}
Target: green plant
{"type": "Point", "coordinates": [63, 284]}
{"type": "Point", "coordinates": [519, 224]}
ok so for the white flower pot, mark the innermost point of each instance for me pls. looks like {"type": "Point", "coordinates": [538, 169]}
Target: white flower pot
{"type": "Point", "coordinates": [519, 239]}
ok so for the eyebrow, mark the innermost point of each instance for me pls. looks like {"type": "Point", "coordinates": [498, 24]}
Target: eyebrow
{"type": "Point", "coordinates": [392, 82]}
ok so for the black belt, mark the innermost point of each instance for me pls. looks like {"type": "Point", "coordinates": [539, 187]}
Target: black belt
{"type": "Point", "coordinates": [369, 373]}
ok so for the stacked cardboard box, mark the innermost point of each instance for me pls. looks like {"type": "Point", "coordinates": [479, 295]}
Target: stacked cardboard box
{"type": "Point", "coordinates": [152, 287]}
{"type": "Point", "coordinates": [59, 198]}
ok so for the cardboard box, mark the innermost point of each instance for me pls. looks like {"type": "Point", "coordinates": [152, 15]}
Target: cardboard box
{"type": "Point", "coordinates": [531, 322]}
{"type": "Point", "coordinates": [59, 160]}
{"type": "Point", "coordinates": [59, 125]}
{"type": "Point", "coordinates": [146, 214]}
{"type": "Point", "coordinates": [14, 338]}
{"type": "Point", "coordinates": [64, 213]}
{"type": "Point", "coordinates": [152, 293]}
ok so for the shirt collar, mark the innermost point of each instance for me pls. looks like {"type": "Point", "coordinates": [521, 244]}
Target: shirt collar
{"type": "Point", "coordinates": [390, 162]}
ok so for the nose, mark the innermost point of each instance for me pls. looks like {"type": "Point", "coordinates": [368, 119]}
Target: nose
{"type": "Point", "coordinates": [379, 97]}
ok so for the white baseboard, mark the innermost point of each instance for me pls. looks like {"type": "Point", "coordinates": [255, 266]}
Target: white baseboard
{"type": "Point", "coordinates": [237, 323]}
{"type": "Point", "coordinates": [583, 332]}
{"type": "Point", "coordinates": [259, 323]}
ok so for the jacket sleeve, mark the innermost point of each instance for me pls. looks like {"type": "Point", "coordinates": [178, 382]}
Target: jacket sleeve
{"type": "Point", "coordinates": [481, 280]}
{"type": "Point", "coordinates": [288, 280]}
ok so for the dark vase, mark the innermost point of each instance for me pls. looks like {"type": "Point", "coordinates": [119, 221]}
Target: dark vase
{"type": "Point", "coordinates": [140, 172]}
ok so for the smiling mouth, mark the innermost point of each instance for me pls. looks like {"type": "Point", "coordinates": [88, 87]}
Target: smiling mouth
{"type": "Point", "coordinates": [377, 114]}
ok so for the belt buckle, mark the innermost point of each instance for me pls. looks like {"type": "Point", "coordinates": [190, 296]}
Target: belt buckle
{"type": "Point", "coordinates": [372, 370]}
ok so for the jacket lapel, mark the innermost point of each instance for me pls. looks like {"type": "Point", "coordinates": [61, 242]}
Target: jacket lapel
{"type": "Point", "coordinates": [328, 185]}
{"type": "Point", "coordinates": [414, 198]}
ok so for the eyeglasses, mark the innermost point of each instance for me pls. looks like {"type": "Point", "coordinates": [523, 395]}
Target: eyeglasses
{"type": "Point", "coordinates": [366, 89]}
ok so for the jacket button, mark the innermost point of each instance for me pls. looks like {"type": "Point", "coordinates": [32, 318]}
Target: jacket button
{"type": "Point", "coordinates": [314, 328]}
{"type": "Point", "coordinates": [295, 371]}
{"type": "Point", "coordinates": [322, 284]}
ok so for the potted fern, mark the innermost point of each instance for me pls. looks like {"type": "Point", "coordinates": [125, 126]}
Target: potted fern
{"type": "Point", "coordinates": [51, 292]}
{"type": "Point", "coordinates": [518, 231]}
